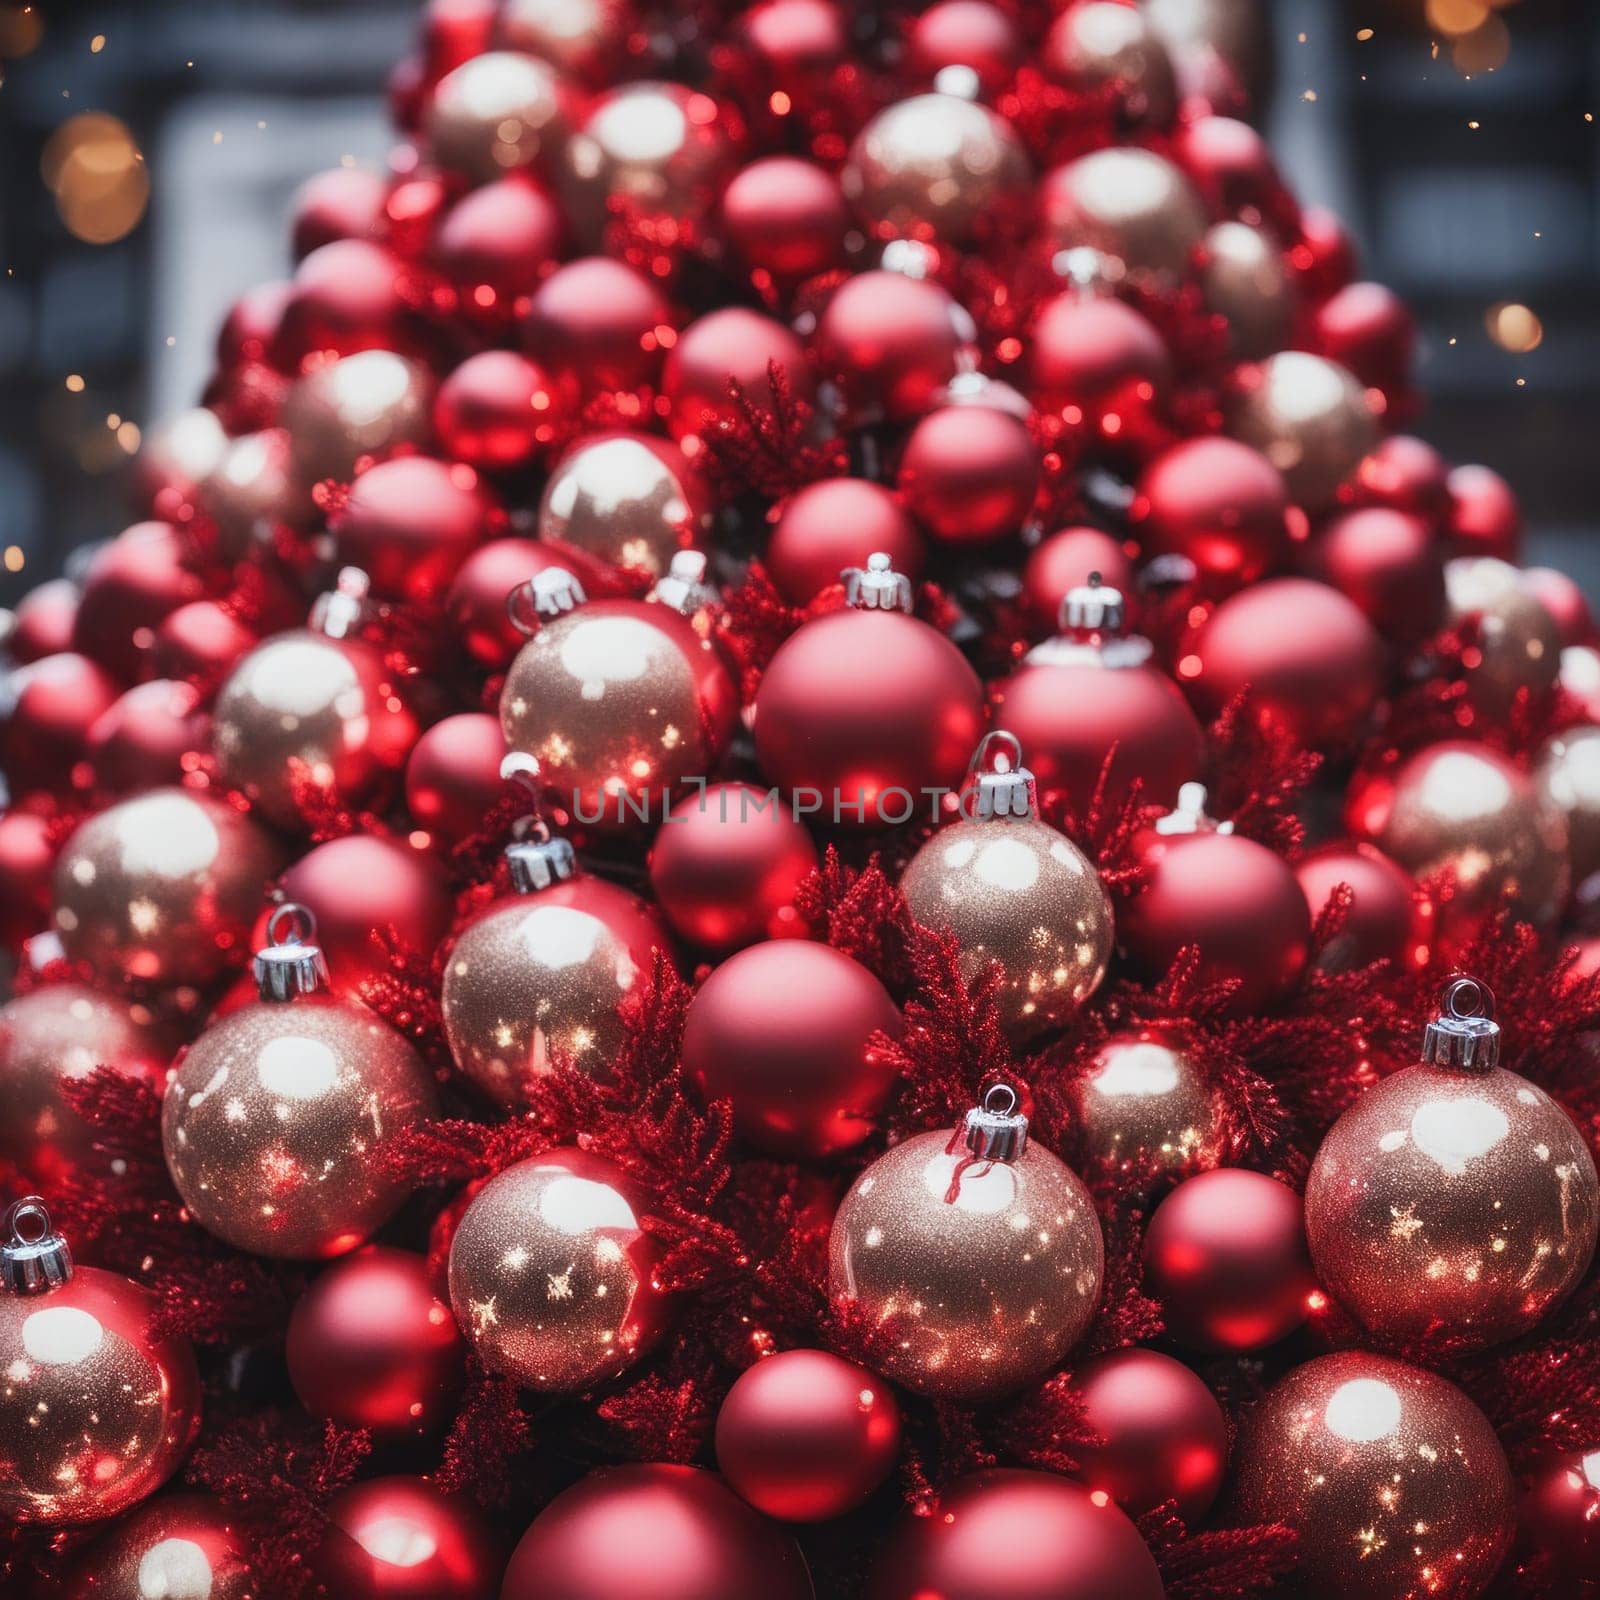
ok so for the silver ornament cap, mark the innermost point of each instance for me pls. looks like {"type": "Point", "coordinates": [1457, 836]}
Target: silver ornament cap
{"type": "Point", "coordinates": [33, 1256]}
{"type": "Point", "coordinates": [998, 785]}
{"type": "Point", "coordinates": [545, 595]}
{"type": "Point", "coordinates": [535, 858]}
{"type": "Point", "coordinates": [996, 1130]}
{"type": "Point", "coordinates": [292, 962]}
{"type": "Point", "coordinates": [1464, 1037]}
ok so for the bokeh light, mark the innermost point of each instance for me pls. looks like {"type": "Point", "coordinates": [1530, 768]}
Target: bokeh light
{"type": "Point", "coordinates": [1456, 17]}
{"type": "Point", "coordinates": [97, 173]}
{"type": "Point", "coordinates": [21, 29]}
{"type": "Point", "coordinates": [1514, 327]}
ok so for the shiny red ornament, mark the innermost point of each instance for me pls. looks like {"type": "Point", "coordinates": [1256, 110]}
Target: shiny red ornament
{"type": "Point", "coordinates": [1324, 254]}
{"type": "Point", "coordinates": [965, 33]}
{"type": "Point", "coordinates": [727, 864]}
{"type": "Point", "coordinates": [1390, 564]}
{"type": "Point", "coordinates": [1406, 474]}
{"type": "Point", "coordinates": [409, 523]}
{"type": "Point", "coordinates": [1389, 918]}
{"type": "Point", "coordinates": [596, 324]}
{"type": "Point", "coordinates": [251, 325]}
{"type": "Point", "coordinates": [862, 710]}
{"type": "Point", "coordinates": [1313, 663]}
{"type": "Point", "coordinates": [400, 1538]}
{"type": "Point", "coordinates": [495, 244]}
{"type": "Point", "coordinates": [174, 459]}
{"type": "Point", "coordinates": [1218, 503]}
{"type": "Point", "coordinates": [1368, 329]}
{"type": "Point", "coordinates": [1232, 899]}
{"type": "Point", "coordinates": [1064, 562]}
{"type": "Point", "coordinates": [453, 775]}
{"type": "Point", "coordinates": [131, 583]}
{"type": "Point", "coordinates": [837, 523]}
{"type": "Point", "coordinates": [795, 40]}
{"type": "Point", "coordinates": [476, 602]}
{"type": "Point", "coordinates": [1560, 1513]}
{"type": "Point", "coordinates": [804, 1436]}
{"type": "Point", "coordinates": [200, 642]}
{"type": "Point", "coordinates": [1162, 1435]}
{"type": "Point", "coordinates": [344, 298]}
{"type": "Point", "coordinates": [341, 203]}
{"type": "Point", "coordinates": [176, 1545]}
{"type": "Point", "coordinates": [27, 857]}
{"type": "Point", "coordinates": [1005, 1534]}
{"type": "Point", "coordinates": [1225, 1255]}
{"type": "Point", "coordinates": [892, 343]}
{"type": "Point", "coordinates": [371, 1345]}
{"type": "Point", "coordinates": [786, 218]}
{"type": "Point", "coordinates": [969, 474]}
{"type": "Point", "coordinates": [1092, 353]}
{"type": "Point", "coordinates": [152, 735]}
{"type": "Point", "coordinates": [1231, 164]}
{"type": "Point", "coordinates": [41, 622]}
{"type": "Point", "coordinates": [784, 1031]}
{"type": "Point", "coordinates": [497, 411]}
{"type": "Point", "coordinates": [1102, 47]}
{"type": "Point", "coordinates": [723, 348]}
{"type": "Point", "coordinates": [1564, 599]}
{"type": "Point", "coordinates": [44, 731]}
{"type": "Point", "coordinates": [673, 1533]}
{"type": "Point", "coordinates": [1485, 515]}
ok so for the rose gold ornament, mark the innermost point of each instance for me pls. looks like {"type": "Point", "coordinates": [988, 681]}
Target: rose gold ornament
{"type": "Point", "coordinates": [1517, 646]}
{"type": "Point", "coordinates": [175, 458]}
{"type": "Point", "coordinates": [274, 1115]}
{"type": "Point", "coordinates": [498, 111]}
{"type": "Point", "coordinates": [1391, 1477]}
{"type": "Point", "coordinates": [161, 888]}
{"type": "Point", "coordinates": [1568, 775]}
{"type": "Point", "coordinates": [1246, 280]}
{"type": "Point", "coordinates": [1310, 419]}
{"type": "Point", "coordinates": [252, 486]}
{"type": "Point", "coordinates": [1129, 204]}
{"type": "Point", "coordinates": [1013, 890]}
{"type": "Point", "coordinates": [1101, 46]}
{"type": "Point", "coordinates": [358, 407]}
{"type": "Point", "coordinates": [552, 1274]}
{"type": "Point", "coordinates": [976, 1255]}
{"type": "Point", "coordinates": [95, 1414]}
{"type": "Point", "coordinates": [577, 35]}
{"type": "Point", "coordinates": [180, 1547]}
{"type": "Point", "coordinates": [1454, 1200]}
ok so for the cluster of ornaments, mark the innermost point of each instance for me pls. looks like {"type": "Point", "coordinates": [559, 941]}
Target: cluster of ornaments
{"type": "Point", "coordinates": [455, 523]}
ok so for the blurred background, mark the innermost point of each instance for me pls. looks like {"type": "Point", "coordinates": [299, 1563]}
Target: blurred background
{"type": "Point", "coordinates": [1458, 137]}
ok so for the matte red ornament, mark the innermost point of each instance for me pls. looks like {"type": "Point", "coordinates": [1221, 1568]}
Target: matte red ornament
{"type": "Point", "coordinates": [152, 735]}
{"type": "Point", "coordinates": [1091, 354]}
{"type": "Point", "coordinates": [497, 411]}
{"type": "Point", "coordinates": [409, 523]}
{"type": "Point", "coordinates": [726, 866]}
{"type": "Point", "coordinates": [595, 324]}
{"type": "Point", "coordinates": [892, 343]}
{"type": "Point", "coordinates": [476, 601]}
{"type": "Point", "coordinates": [179, 1544]}
{"type": "Point", "coordinates": [42, 621]}
{"type": "Point", "coordinates": [371, 1345]}
{"type": "Point", "coordinates": [130, 585]}
{"type": "Point", "coordinates": [1219, 503]}
{"type": "Point", "coordinates": [399, 1538]}
{"type": "Point", "coordinates": [453, 775]}
{"type": "Point", "coordinates": [44, 730]}
{"type": "Point", "coordinates": [200, 642]}
{"type": "Point", "coordinates": [732, 345]}
{"type": "Point", "coordinates": [1315, 667]}
{"type": "Point", "coordinates": [1162, 1434]}
{"type": "Point", "coordinates": [27, 856]}
{"type": "Point", "coordinates": [1225, 1255]}
{"type": "Point", "coordinates": [1389, 918]}
{"type": "Point", "coordinates": [1368, 329]}
{"type": "Point", "coordinates": [1005, 1534]}
{"type": "Point", "coordinates": [805, 1436]}
{"type": "Point", "coordinates": [837, 523]}
{"type": "Point", "coordinates": [965, 33]}
{"type": "Point", "coordinates": [1559, 1512]}
{"type": "Point", "coordinates": [786, 218]}
{"type": "Point", "coordinates": [1485, 515]}
{"type": "Point", "coordinates": [341, 203]}
{"type": "Point", "coordinates": [1391, 564]}
{"type": "Point", "coordinates": [1064, 562]}
{"type": "Point", "coordinates": [673, 1533]}
{"type": "Point", "coordinates": [784, 1031]}
{"type": "Point", "coordinates": [1566, 602]}
{"type": "Point", "coordinates": [969, 474]}
{"type": "Point", "coordinates": [495, 244]}
{"type": "Point", "coordinates": [344, 298]}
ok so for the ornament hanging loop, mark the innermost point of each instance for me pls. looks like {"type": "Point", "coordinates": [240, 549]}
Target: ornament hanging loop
{"type": "Point", "coordinates": [33, 1256]}
{"type": "Point", "coordinates": [292, 962]}
{"type": "Point", "coordinates": [547, 594]}
{"type": "Point", "coordinates": [877, 586]}
{"type": "Point", "coordinates": [997, 784]}
{"type": "Point", "coordinates": [535, 858]}
{"type": "Point", "coordinates": [996, 1129]}
{"type": "Point", "coordinates": [1464, 1037]}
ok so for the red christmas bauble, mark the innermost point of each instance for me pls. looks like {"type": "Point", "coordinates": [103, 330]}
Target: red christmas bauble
{"type": "Point", "coordinates": [1225, 1255]}
{"type": "Point", "coordinates": [131, 583]}
{"type": "Point", "coordinates": [1162, 1435]}
{"type": "Point", "coordinates": [1063, 562]}
{"type": "Point", "coordinates": [251, 325]}
{"type": "Point", "coordinates": [1390, 564]}
{"type": "Point", "coordinates": [1092, 354]}
{"type": "Point", "coordinates": [965, 33]}
{"type": "Point", "coordinates": [1388, 919]}
{"type": "Point", "coordinates": [1230, 163]}
{"type": "Point", "coordinates": [805, 1436]}
{"type": "Point", "coordinates": [786, 218]}
{"type": "Point", "coordinates": [969, 474]}
{"type": "Point", "coordinates": [495, 244]}
{"type": "Point", "coordinates": [733, 345]}
{"type": "Point", "coordinates": [580, 36]}
{"type": "Point", "coordinates": [497, 410]}
{"type": "Point", "coordinates": [673, 1533]}
{"type": "Point", "coordinates": [341, 203]}
{"type": "Point", "coordinates": [726, 866]}
{"type": "Point", "coordinates": [453, 775]}
{"type": "Point", "coordinates": [371, 1345]}
{"type": "Point", "coordinates": [42, 621]}
{"type": "Point", "coordinates": [344, 298]}
{"type": "Point", "coordinates": [399, 1538]}
{"type": "Point", "coordinates": [1564, 600]}
{"type": "Point", "coordinates": [44, 731]}
{"type": "Point", "coordinates": [200, 642]}
{"type": "Point", "coordinates": [179, 1544]}
{"type": "Point", "coordinates": [1485, 515]}
{"type": "Point", "coordinates": [1368, 329]}
{"type": "Point", "coordinates": [1324, 254]}
{"type": "Point", "coordinates": [1406, 474]}
{"type": "Point", "coordinates": [152, 735]}
{"type": "Point", "coordinates": [596, 324]}
{"type": "Point", "coordinates": [892, 343]}
{"type": "Point", "coordinates": [174, 459]}
{"type": "Point", "coordinates": [864, 710]}
{"type": "Point", "coordinates": [1314, 665]}
{"type": "Point", "coordinates": [1219, 503]}
{"type": "Point", "coordinates": [837, 523]}
{"type": "Point", "coordinates": [1234, 900]}
{"type": "Point", "coordinates": [27, 856]}
{"type": "Point", "coordinates": [1004, 1534]}
{"type": "Point", "coordinates": [476, 601]}
{"type": "Point", "coordinates": [1560, 1513]}
{"type": "Point", "coordinates": [795, 39]}
{"type": "Point", "coordinates": [1101, 47]}
{"type": "Point", "coordinates": [409, 523]}
{"type": "Point", "coordinates": [784, 1031]}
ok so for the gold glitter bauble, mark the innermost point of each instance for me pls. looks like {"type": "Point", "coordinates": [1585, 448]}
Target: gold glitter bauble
{"type": "Point", "coordinates": [1392, 1478]}
{"type": "Point", "coordinates": [360, 406]}
{"type": "Point", "coordinates": [1245, 280]}
{"type": "Point", "coordinates": [273, 1117]}
{"type": "Point", "coordinates": [537, 978]}
{"type": "Point", "coordinates": [577, 35]}
{"type": "Point", "coordinates": [252, 487]}
{"type": "Point", "coordinates": [620, 702]}
{"type": "Point", "coordinates": [935, 166]}
{"type": "Point", "coordinates": [498, 111]}
{"type": "Point", "coordinates": [180, 1547]}
{"type": "Point", "coordinates": [162, 888]}
{"type": "Point", "coordinates": [1102, 46]}
{"type": "Point", "coordinates": [1310, 419]}
{"type": "Point", "coordinates": [552, 1278]}
{"type": "Point", "coordinates": [302, 716]}
{"type": "Point", "coordinates": [628, 498]}
{"type": "Point", "coordinates": [1517, 644]}
{"type": "Point", "coordinates": [979, 1275]}
{"type": "Point", "coordinates": [1015, 891]}
{"type": "Point", "coordinates": [1568, 775]}
{"type": "Point", "coordinates": [1129, 204]}
{"type": "Point", "coordinates": [1145, 1109]}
